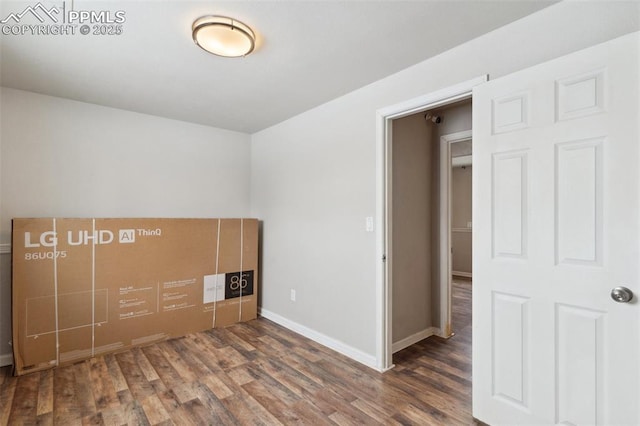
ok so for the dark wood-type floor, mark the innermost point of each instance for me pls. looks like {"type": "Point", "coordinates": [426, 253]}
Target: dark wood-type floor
{"type": "Point", "coordinates": [251, 373]}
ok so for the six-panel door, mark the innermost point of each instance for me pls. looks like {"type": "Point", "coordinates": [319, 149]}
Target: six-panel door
{"type": "Point", "coordinates": [556, 227]}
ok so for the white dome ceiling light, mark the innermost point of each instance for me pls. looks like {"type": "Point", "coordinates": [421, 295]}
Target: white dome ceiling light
{"type": "Point", "coordinates": [223, 36]}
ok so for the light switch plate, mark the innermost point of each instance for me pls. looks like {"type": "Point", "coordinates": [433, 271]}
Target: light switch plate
{"type": "Point", "coordinates": [369, 223]}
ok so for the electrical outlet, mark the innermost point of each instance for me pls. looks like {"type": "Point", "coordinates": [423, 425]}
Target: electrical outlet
{"type": "Point", "coordinates": [293, 295]}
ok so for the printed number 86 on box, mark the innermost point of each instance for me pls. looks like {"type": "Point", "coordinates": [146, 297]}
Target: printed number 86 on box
{"type": "Point", "coordinates": [237, 283]}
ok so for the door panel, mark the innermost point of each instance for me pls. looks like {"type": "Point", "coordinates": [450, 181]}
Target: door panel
{"type": "Point", "coordinates": [556, 227]}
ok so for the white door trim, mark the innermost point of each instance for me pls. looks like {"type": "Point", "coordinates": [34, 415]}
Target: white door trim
{"type": "Point", "coordinates": [384, 117]}
{"type": "Point", "coordinates": [445, 227]}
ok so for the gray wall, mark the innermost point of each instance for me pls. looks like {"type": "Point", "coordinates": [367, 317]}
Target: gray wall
{"type": "Point", "coordinates": [412, 213]}
{"type": "Point", "coordinates": [460, 215]}
{"type": "Point", "coordinates": [314, 176]}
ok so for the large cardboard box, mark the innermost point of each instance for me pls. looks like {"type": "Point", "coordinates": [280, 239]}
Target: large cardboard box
{"type": "Point", "coordinates": [84, 287]}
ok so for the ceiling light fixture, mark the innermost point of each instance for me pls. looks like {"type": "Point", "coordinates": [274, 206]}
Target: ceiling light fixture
{"type": "Point", "coordinates": [223, 36]}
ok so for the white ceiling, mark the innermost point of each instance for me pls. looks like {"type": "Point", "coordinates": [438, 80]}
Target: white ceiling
{"type": "Point", "coordinates": [308, 52]}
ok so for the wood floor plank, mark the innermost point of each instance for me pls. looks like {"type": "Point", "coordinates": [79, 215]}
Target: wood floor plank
{"type": "Point", "coordinates": [163, 367]}
{"type": "Point", "coordinates": [451, 407]}
{"type": "Point", "coordinates": [25, 399]}
{"type": "Point", "coordinates": [136, 381]}
{"type": "Point", "coordinates": [154, 410]}
{"type": "Point", "coordinates": [442, 367]}
{"type": "Point", "coordinates": [328, 401]}
{"type": "Point", "coordinates": [277, 407]}
{"type": "Point", "coordinates": [95, 419]}
{"type": "Point", "coordinates": [310, 370]}
{"type": "Point", "coordinates": [231, 337]}
{"type": "Point", "coordinates": [217, 386]}
{"type": "Point", "coordinates": [411, 415]}
{"type": "Point", "coordinates": [206, 352]}
{"type": "Point", "coordinates": [184, 392]}
{"type": "Point", "coordinates": [134, 414]}
{"type": "Point", "coordinates": [247, 411]}
{"type": "Point", "coordinates": [145, 366]}
{"type": "Point", "coordinates": [344, 413]}
{"type": "Point", "coordinates": [230, 379]}
{"type": "Point", "coordinates": [84, 390]}
{"type": "Point", "coordinates": [104, 391]}
{"type": "Point", "coordinates": [189, 356]}
{"type": "Point", "coordinates": [111, 416]}
{"type": "Point", "coordinates": [310, 414]}
{"type": "Point", "coordinates": [275, 387]}
{"type": "Point", "coordinates": [45, 419]}
{"type": "Point", "coordinates": [272, 346]}
{"type": "Point", "coordinates": [463, 387]}
{"type": "Point", "coordinates": [309, 353]}
{"type": "Point", "coordinates": [212, 404]}
{"type": "Point", "coordinates": [166, 396]}
{"type": "Point", "coordinates": [229, 358]}
{"type": "Point", "coordinates": [246, 336]}
{"type": "Point", "coordinates": [64, 397]}
{"type": "Point", "coordinates": [125, 397]}
{"type": "Point", "coordinates": [184, 369]}
{"type": "Point", "coordinates": [45, 393]}
{"type": "Point", "coordinates": [167, 423]}
{"type": "Point", "coordinates": [212, 338]}
{"type": "Point", "coordinates": [193, 413]}
{"type": "Point", "coordinates": [379, 414]}
{"type": "Point", "coordinates": [292, 379]}
{"type": "Point", "coordinates": [241, 376]}
{"type": "Point", "coordinates": [7, 391]}
{"type": "Point", "coordinates": [117, 378]}
{"type": "Point", "coordinates": [254, 373]}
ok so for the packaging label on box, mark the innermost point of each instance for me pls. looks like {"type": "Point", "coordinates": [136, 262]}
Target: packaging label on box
{"type": "Point", "coordinates": [213, 288]}
{"type": "Point", "coordinates": [238, 284]}
{"type": "Point", "coordinates": [82, 287]}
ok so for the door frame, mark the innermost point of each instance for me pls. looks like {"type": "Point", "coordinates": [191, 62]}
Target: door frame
{"type": "Point", "coordinates": [446, 268]}
{"type": "Point", "coordinates": [384, 119]}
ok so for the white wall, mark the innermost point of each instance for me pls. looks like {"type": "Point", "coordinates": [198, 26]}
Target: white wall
{"type": "Point", "coordinates": [66, 158]}
{"type": "Point", "coordinates": [314, 176]}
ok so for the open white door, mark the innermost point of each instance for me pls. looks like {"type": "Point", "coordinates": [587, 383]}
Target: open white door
{"type": "Point", "coordinates": [556, 228]}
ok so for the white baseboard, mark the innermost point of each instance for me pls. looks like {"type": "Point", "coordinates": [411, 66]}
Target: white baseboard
{"type": "Point", "coordinates": [6, 359]}
{"type": "Point", "coordinates": [415, 338]}
{"type": "Point", "coordinates": [331, 343]}
{"type": "Point", "coordinates": [461, 274]}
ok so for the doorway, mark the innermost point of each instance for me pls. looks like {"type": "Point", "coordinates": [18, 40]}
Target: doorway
{"type": "Point", "coordinates": [430, 210]}
{"type": "Point", "coordinates": [460, 239]}
{"type": "Point", "coordinates": [455, 224]}
{"type": "Point", "coordinates": [442, 99]}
